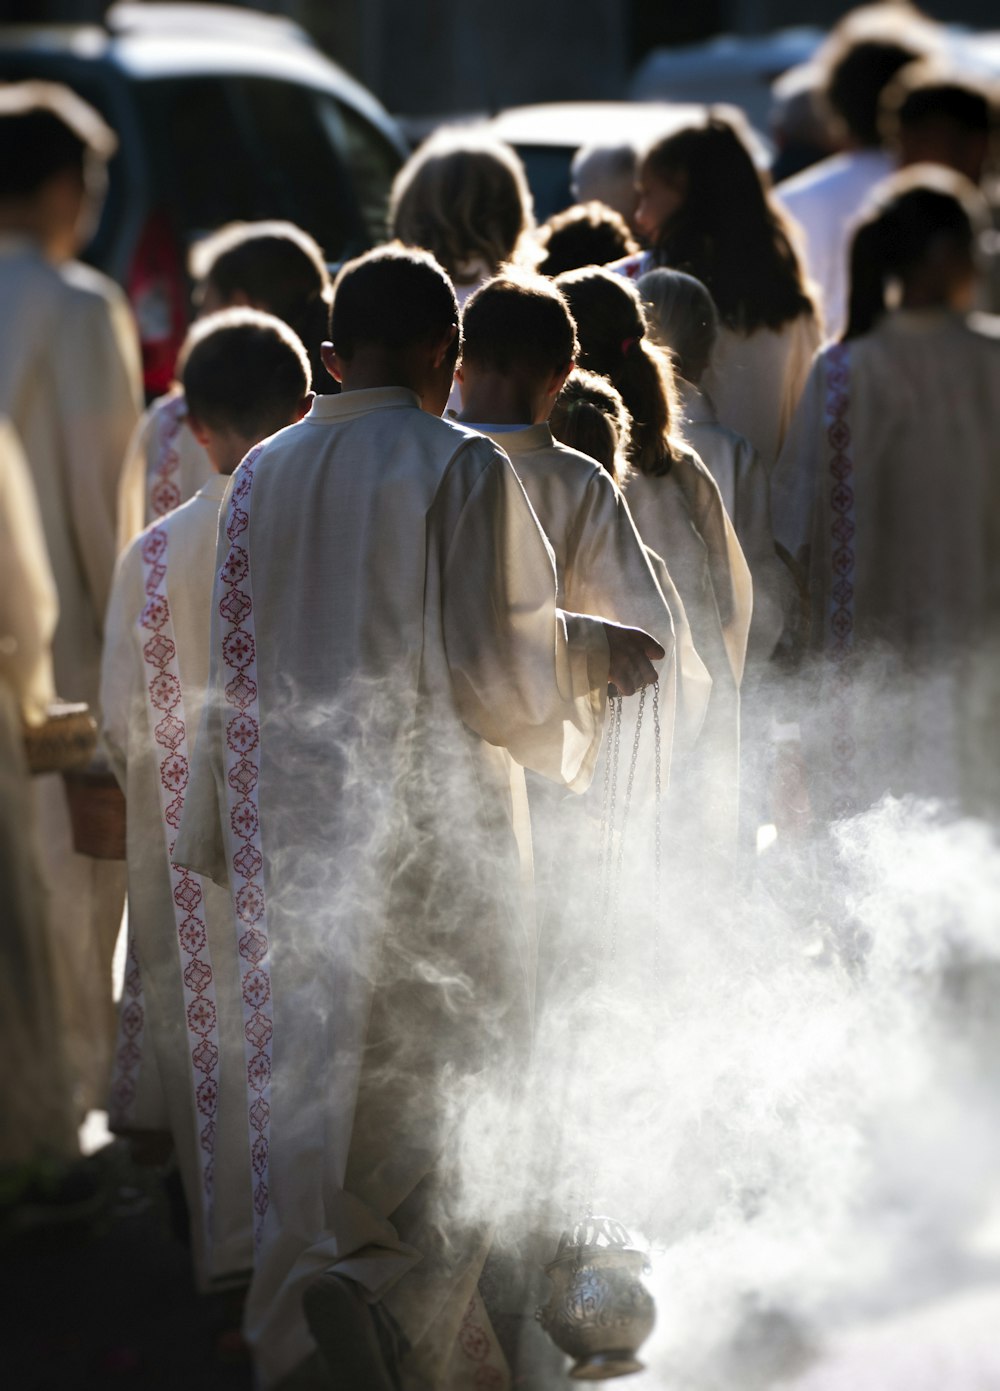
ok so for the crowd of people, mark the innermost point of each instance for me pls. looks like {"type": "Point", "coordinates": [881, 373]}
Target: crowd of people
{"type": "Point", "coordinates": [354, 604]}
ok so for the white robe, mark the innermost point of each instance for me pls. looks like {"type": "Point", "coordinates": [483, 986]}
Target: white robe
{"type": "Point", "coordinates": [165, 465]}
{"type": "Point", "coordinates": [36, 1117]}
{"type": "Point", "coordinates": [825, 201]}
{"type": "Point", "coordinates": [186, 957]}
{"type": "Point", "coordinates": [755, 380]}
{"type": "Point", "coordinates": [746, 494]}
{"type": "Point", "coordinates": [682, 518]}
{"type": "Point", "coordinates": [388, 643]}
{"type": "Point", "coordinates": [70, 381]}
{"type": "Point", "coordinates": [888, 492]}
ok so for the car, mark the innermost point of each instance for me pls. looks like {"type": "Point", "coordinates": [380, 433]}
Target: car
{"type": "Point", "coordinates": [221, 115]}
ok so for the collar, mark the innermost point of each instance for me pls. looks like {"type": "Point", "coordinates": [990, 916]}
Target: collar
{"type": "Point", "coordinates": [326, 410]}
{"type": "Point", "coordinates": [517, 439]}
{"type": "Point", "coordinates": [214, 487]}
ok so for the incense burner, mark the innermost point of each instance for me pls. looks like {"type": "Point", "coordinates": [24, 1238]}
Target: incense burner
{"type": "Point", "coordinates": [599, 1311]}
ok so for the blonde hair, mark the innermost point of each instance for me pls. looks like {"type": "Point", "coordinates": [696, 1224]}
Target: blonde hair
{"type": "Point", "coordinates": [590, 415]}
{"type": "Point", "coordinates": [465, 198]}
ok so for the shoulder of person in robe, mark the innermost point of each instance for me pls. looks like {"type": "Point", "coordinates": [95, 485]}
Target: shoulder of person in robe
{"type": "Point", "coordinates": [90, 286]}
{"type": "Point", "coordinates": [985, 326]}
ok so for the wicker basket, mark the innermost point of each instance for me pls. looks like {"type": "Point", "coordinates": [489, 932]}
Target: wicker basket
{"type": "Point", "coordinates": [97, 812]}
{"type": "Point", "coordinates": [66, 740]}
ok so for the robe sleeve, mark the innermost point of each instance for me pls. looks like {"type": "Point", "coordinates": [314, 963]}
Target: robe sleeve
{"type": "Point", "coordinates": [773, 587]}
{"type": "Point", "coordinates": [794, 480]}
{"type": "Point", "coordinates": [693, 682]}
{"type": "Point", "coordinates": [97, 381]}
{"type": "Point", "coordinates": [525, 675]}
{"type": "Point", "coordinates": [28, 604]}
{"type": "Point", "coordinates": [119, 683]}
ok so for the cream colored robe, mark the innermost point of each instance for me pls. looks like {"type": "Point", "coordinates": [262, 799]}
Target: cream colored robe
{"type": "Point", "coordinates": [746, 494]}
{"type": "Point", "coordinates": [165, 466]}
{"type": "Point", "coordinates": [36, 1116]}
{"type": "Point", "coordinates": [755, 380]}
{"type": "Point", "coordinates": [141, 747]}
{"type": "Point", "coordinates": [888, 493]}
{"type": "Point", "coordinates": [70, 381]}
{"type": "Point", "coordinates": [681, 517]}
{"type": "Point", "coordinates": [387, 645]}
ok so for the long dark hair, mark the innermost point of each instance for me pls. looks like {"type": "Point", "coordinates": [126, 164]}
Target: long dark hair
{"type": "Point", "coordinates": [921, 207]}
{"type": "Point", "coordinates": [611, 326]}
{"type": "Point", "coordinates": [728, 232]}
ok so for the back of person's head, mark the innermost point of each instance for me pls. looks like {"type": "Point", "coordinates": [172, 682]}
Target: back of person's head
{"type": "Point", "coordinates": [518, 324]}
{"type": "Point", "coordinates": [863, 53]}
{"type": "Point", "coordinates": [605, 174]}
{"type": "Point", "coordinates": [588, 234]}
{"type": "Point", "coordinates": [727, 230]}
{"type": "Point", "coordinates": [273, 266]}
{"type": "Point", "coordinates": [683, 319]}
{"type": "Point", "coordinates": [244, 373]}
{"type": "Point", "coordinates": [922, 215]}
{"type": "Point", "coordinates": [589, 415]}
{"type": "Point", "coordinates": [393, 298]}
{"type": "Point", "coordinates": [611, 326]}
{"type": "Point", "coordinates": [45, 130]}
{"type": "Point", "coordinates": [464, 198]}
{"type": "Point", "coordinates": [932, 114]}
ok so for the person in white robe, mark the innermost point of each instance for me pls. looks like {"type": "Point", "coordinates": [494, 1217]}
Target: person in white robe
{"type": "Point", "coordinates": [245, 376]}
{"type": "Point", "coordinates": [37, 1120]}
{"type": "Point", "coordinates": [887, 496]}
{"type": "Point", "coordinates": [271, 266]}
{"type": "Point", "coordinates": [70, 382]}
{"type": "Point", "coordinates": [860, 58]}
{"type": "Point", "coordinates": [386, 649]}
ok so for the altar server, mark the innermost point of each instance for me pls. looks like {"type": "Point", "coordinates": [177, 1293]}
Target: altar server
{"type": "Point", "coordinates": [386, 643]}
{"type": "Point", "coordinates": [245, 376]}
{"type": "Point", "coordinates": [70, 382]}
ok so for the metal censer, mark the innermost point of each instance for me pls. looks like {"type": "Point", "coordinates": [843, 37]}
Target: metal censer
{"type": "Point", "coordinates": [599, 1313]}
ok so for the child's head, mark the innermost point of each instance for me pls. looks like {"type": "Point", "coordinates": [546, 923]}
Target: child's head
{"type": "Point", "coordinates": [707, 210]}
{"type": "Point", "coordinates": [611, 326]}
{"type": "Point", "coordinates": [518, 325]}
{"type": "Point", "coordinates": [933, 115]}
{"type": "Point", "coordinates": [683, 319]}
{"type": "Point", "coordinates": [396, 308]}
{"type": "Point", "coordinates": [916, 246]}
{"type": "Point", "coordinates": [53, 153]}
{"type": "Point", "coordinates": [590, 415]}
{"type": "Point", "coordinates": [246, 375]}
{"type": "Point", "coordinates": [465, 198]}
{"type": "Point", "coordinates": [588, 234]}
{"type": "Point", "coordinates": [863, 53]}
{"type": "Point", "coordinates": [271, 266]}
{"type": "Point", "coordinates": [606, 174]}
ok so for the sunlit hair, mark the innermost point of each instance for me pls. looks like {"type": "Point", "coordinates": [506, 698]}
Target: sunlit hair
{"type": "Point", "coordinates": [590, 415]}
{"type": "Point", "coordinates": [587, 234]}
{"type": "Point", "coordinates": [862, 54]}
{"type": "Point", "coordinates": [611, 326]}
{"type": "Point", "coordinates": [45, 129]}
{"type": "Point", "coordinates": [393, 298]}
{"type": "Point", "coordinates": [930, 91]}
{"type": "Point", "coordinates": [518, 322]}
{"type": "Point", "coordinates": [922, 209]}
{"type": "Point", "coordinates": [728, 231]}
{"type": "Point", "coordinates": [277, 268]}
{"type": "Point", "coordinates": [244, 372]}
{"type": "Point", "coordinates": [682, 318]}
{"type": "Point", "coordinates": [464, 198]}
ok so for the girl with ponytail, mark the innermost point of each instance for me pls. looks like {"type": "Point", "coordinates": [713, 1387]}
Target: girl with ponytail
{"type": "Point", "coordinates": [706, 209]}
{"type": "Point", "coordinates": [680, 516]}
{"type": "Point", "coordinates": [271, 266]}
{"type": "Point", "coordinates": [887, 493]}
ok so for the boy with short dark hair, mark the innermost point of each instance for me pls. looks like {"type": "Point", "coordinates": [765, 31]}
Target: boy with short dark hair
{"type": "Point", "coordinates": [246, 376]}
{"type": "Point", "coordinates": [387, 642]}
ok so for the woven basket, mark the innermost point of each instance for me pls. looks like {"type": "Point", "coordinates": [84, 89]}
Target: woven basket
{"type": "Point", "coordinates": [97, 812]}
{"type": "Point", "coordinates": [66, 740]}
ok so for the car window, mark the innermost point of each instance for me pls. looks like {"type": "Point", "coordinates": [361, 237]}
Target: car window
{"type": "Point", "coordinates": [370, 157]}
{"type": "Point", "coordinates": [299, 162]}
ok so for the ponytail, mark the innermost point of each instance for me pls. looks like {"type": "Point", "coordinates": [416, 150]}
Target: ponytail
{"type": "Point", "coordinates": [646, 384]}
{"type": "Point", "coordinates": [871, 266]}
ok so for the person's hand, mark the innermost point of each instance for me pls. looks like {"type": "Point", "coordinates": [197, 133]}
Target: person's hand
{"type": "Point", "coordinates": [632, 655]}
